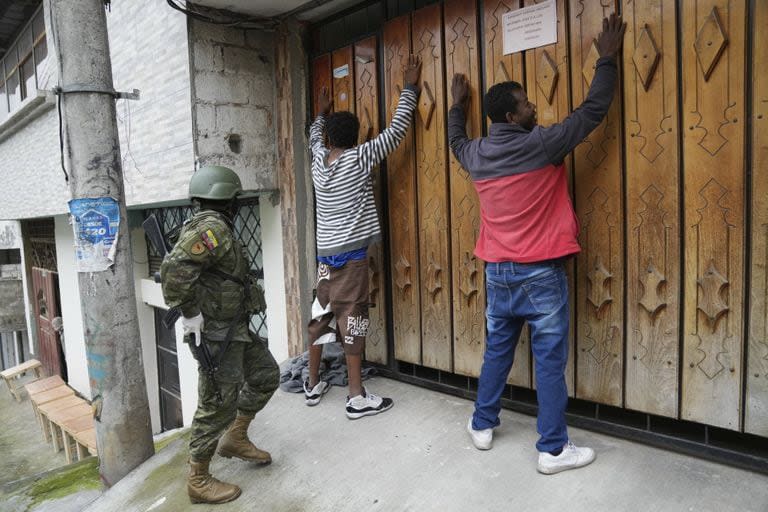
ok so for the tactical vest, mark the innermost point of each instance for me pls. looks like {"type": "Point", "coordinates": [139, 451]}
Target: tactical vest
{"type": "Point", "coordinates": [220, 291]}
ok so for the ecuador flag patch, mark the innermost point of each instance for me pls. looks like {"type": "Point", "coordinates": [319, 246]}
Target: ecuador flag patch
{"type": "Point", "coordinates": [209, 239]}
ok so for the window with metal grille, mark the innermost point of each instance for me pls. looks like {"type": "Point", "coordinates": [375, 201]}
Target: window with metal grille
{"type": "Point", "coordinates": [40, 236]}
{"type": "Point", "coordinates": [247, 230]}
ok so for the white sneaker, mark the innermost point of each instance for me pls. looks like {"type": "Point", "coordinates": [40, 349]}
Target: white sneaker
{"type": "Point", "coordinates": [368, 405]}
{"type": "Point", "coordinates": [571, 457]}
{"type": "Point", "coordinates": [482, 439]}
{"type": "Point", "coordinates": [313, 396]}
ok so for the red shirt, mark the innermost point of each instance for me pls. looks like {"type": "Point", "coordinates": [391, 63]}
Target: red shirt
{"type": "Point", "coordinates": [526, 217]}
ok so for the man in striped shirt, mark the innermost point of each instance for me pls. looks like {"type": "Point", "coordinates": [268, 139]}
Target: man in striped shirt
{"type": "Point", "coordinates": [347, 223]}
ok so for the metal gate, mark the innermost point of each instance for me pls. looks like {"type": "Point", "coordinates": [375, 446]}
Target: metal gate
{"type": "Point", "coordinates": [247, 230]}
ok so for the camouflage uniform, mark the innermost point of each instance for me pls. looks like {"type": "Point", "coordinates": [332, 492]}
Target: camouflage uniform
{"type": "Point", "coordinates": [248, 374]}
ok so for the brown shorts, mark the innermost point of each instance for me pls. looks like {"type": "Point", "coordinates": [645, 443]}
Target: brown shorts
{"type": "Point", "coordinates": [340, 310]}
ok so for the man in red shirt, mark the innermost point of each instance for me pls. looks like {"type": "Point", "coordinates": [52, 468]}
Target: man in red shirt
{"type": "Point", "coordinates": [527, 228]}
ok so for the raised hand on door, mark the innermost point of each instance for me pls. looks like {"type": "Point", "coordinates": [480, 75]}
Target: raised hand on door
{"type": "Point", "coordinates": [324, 102]}
{"type": "Point", "coordinates": [610, 39]}
{"type": "Point", "coordinates": [412, 71]}
{"type": "Point", "coordinates": [460, 90]}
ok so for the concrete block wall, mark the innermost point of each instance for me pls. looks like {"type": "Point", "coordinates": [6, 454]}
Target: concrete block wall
{"type": "Point", "coordinates": [148, 45]}
{"type": "Point", "coordinates": [234, 97]}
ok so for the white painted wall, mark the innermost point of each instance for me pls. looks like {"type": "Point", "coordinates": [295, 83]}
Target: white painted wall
{"type": "Point", "coordinates": [152, 295]}
{"type": "Point", "coordinates": [149, 50]}
{"type": "Point", "coordinates": [146, 318]}
{"type": "Point", "coordinates": [274, 283]}
{"type": "Point", "coordinates": [71, 312]}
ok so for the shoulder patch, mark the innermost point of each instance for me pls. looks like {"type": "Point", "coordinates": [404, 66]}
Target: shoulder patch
{"type": "Point", "coordinates": [197, 248]}
{"type": "Point", "coordinates": [209, 239]}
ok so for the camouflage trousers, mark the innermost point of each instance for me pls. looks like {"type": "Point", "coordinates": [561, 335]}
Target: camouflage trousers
{"type": "Point", "coordinates": [247, 377]}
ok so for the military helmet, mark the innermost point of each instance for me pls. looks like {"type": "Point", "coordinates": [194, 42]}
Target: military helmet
{"type": "Point", "coordinates": [215, 183]}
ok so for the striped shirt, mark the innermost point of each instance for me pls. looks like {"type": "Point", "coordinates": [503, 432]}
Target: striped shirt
{"type": "Point", "coordinates": [346, 211]}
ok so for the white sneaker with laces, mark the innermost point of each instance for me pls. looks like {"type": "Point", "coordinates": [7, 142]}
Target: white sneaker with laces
{"type": "Point", "coordinates": [572, 457]}
{"type": "Point", "coordinates": [367, 405]}
{"type": "Point", "coordinates": [482, 439]}
{"type": "Point", "coordinates": [313, 396]}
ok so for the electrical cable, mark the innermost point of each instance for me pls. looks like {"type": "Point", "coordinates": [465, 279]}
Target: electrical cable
{"type": "Point", "coordinates": [258, 23]}
{"type": "Point", "coordinates": [57, 90]}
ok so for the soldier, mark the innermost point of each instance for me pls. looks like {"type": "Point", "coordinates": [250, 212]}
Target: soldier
{"type": "Point", "coordinates": [207, 276]}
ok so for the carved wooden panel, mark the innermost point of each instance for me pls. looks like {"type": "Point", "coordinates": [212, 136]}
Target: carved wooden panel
{"type": "Point", "coordinates": [343, 88]}
{"type": "Point", "coordinates": [713, 33]}
{"type": "Point", "coordinates": [401, 179]}
{"type": "Point", "coordinates": [321, 77]}
{"type": "Point", "coordinates": [653, 220]}
{"type": "Point", "coordinates": [432, 180]}
{"type": "Point", "coordinates": [462, 56]}
{"type": "Point", "coordinates": [756, 402]}
{"type": "Point", "coordinates": [499, 67]}
{"type": "Point", "coordinates": [367, 108]}
{"type": "Point", "coordinates": [502, 68]}
{"type": "Point", "coordinates": [598, 194]}
{"type": "Point", "coordinates": [547, 87]}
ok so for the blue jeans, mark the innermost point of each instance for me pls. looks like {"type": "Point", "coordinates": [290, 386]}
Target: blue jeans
{"type": "Point", "coordinates": [538, 293]}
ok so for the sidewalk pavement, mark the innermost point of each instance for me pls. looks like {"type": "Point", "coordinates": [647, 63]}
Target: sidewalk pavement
{"type": "Point", "coordinates": [32, 475]}
{"type": "Point", "coordinates": [418, 457]}
{"type": "Point", "coordinates": [22, 445]}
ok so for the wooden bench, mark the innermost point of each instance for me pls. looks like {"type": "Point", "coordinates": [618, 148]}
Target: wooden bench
{"type": "Point", "coordinates": [69, 431]}
{"type": "Point", "coordinates": [44, 384]}
{"type": "Point", "coordinates": [66, 419]}
{"type": "Point", "coordinates": [11, 374]}
{"type": "Point", "coordinates": [56, 405]}
{"type": "Point", "coordinates": [86, 443]}
{"type": "Point", "coordinates": [57, 418]}
{"type": "Point", "coordinates": [46, 390]}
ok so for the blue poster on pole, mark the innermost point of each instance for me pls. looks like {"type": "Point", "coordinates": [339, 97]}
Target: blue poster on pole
{"type": "Point", "coordinates": [95, 222]}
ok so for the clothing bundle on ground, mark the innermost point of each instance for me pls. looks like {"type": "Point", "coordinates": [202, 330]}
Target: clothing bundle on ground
{"type": "Point", "coordinates": [333, 369]}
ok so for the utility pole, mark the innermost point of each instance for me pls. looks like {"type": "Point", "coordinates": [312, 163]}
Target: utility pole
{"type": "Point", "coordinates": [107, 298]}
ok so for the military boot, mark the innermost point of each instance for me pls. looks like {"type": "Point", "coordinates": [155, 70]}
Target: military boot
{"type": "Point", "coordinates": [203, 488]}
{"type": "Point", "coordinates": [235, 443]}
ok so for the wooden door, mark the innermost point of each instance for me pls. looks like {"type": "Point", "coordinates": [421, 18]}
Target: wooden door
{"type": "Point", "coordinates": [342, 72]}
{"type": "Point", "coordinates": [462, 56]}
{"type": "Point", "coordinates": [432, 192]}
{"type": "Point", "coordinates": [598, 194]}
{"type": "Point", "coordinates": [366, 87]}
{"type": "Point", "coordinates": [401, 181]}
{"type": "Point", "coordinates": [547, 86]}
{"type": "Point", "coordinates": [321, 79]}
{"type": "Point", "coordinates": [756, 402]}
{"type": "Point", "coordinates": [652, 215]}
{"type": "Point", "coordinates": [672, 200]}
{"type": "Point", "coordinates": [45, 289]}
{"type": "Point", "coordinates": [503, 68]}
{"type": "Point", "coordinates": [713, 34]}
{"type": "Point", "coordinates": [499, 67]}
